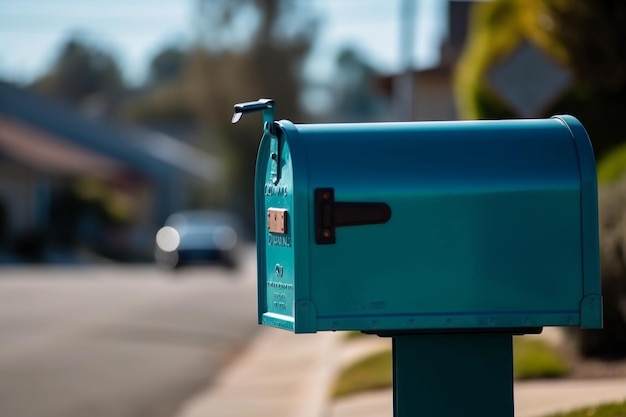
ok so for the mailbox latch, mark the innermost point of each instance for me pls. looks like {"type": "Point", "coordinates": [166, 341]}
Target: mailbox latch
{"type": "Point", "coordinates": [330, 214]}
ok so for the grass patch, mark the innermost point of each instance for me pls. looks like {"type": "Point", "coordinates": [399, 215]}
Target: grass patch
{"type": "Point", "coordinates": [605, 410]}
{"type": "Point", "coordinates": [612, 166]}
{"type": "Point", "coordinates": [355, 334]}
{"type": "Point", "coordinates": [371, 372]}
{"type": "Point", "coordinates": [532, 358]}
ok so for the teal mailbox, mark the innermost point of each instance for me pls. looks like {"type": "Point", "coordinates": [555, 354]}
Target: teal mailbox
{"type": "Point", "coordinates": [426, 227]}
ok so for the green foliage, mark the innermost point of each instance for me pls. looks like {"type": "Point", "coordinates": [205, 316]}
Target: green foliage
{"type": "Point", "coordinates": [494, 31]}
{"type": "Point", "coordinates": [605, 410]}
{"type": "Point", "coordinates": [533, 358]}
{"type": "Point", "coordinates": [82, 70]}
{"type": "Point", "coordinates": [357, 335]}
{"type": "Point", "coordinates": [595, 54]}
{"type": "Point", "coordinates": [372, 372]}
{"type": "Point", "coordinates": [354, 91]}
{"type": "Point", "coordinates": [232, 62]}
{"type": "Point", "coordinates": [164, 102]}
{"type": "Point", "coordinates": [610, 342]}
{"type": "Point", "coordinates": [612, 166]}
{"type": "Point", "coordinates": [166, 65]}
{"type": "Point", "coordinates": [596, 51]}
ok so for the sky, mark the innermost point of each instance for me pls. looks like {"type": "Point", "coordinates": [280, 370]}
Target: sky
{"type": "Point", "coordinates": [32, 31]}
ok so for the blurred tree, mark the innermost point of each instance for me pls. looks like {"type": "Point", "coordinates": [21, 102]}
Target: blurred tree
{"type": "Point", "coordinates": [610, 342]}
{"type": "Point", "coordinates": [82, 71]}
{"type": "Point", "coordinates": [263, 44]}
{"type": "Point", "coordinates": [245, 50]}
{"type": "Point", "coordinates": [166, 65]}
{"type": "Point", "coordinates": [597, 50]}
{"type": "Point", "coordinates": [588, 38]}
{"type": "Point", "coordinates": [270, 65]}
{"type": "Point", "coordinates": [595, 53]}
{"type": "Point", "coordinates": [353, 87]}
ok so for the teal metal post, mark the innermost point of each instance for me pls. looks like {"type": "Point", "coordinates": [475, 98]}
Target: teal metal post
{"type": "Point", "coordinates": [453, 375]}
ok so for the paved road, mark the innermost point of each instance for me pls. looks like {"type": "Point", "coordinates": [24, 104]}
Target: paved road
{"type": "Point", "coordinates": [117, 341]}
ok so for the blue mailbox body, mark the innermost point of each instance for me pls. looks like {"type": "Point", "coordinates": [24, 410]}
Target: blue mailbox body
{"type": "Point", "coordinates": [427, 226]}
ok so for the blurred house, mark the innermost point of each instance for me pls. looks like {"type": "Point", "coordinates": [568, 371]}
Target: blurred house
{"type": "Point", "coordinates": [433, 90]}
{"type": "Point", "coordinates": [67, 181]}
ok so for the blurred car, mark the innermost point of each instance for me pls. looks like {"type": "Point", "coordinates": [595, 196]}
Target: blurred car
{"type": "Point", "coordinates": [192, 237]}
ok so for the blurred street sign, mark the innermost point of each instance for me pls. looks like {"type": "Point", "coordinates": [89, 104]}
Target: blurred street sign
{"type": "Point", "coordinates": [528, 80]}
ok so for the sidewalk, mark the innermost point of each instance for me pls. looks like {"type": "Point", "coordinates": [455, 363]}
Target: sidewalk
{"type": "Point", "coordinates": [279, 375]}
{"type": "Point", "coordinates": [532, 399]}
{"type": "Point", "coordinates": [286, 375]}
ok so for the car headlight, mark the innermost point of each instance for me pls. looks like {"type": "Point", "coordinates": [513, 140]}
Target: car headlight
{"type": "Point", "coordinates": [167, 239]}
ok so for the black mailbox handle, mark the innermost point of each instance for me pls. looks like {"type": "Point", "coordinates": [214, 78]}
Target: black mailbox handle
{"type": "Point", "coordinates": [330, 214]}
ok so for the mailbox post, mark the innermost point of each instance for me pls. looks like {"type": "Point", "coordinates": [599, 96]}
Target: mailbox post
{"type": "Point", "coordinates": [449, 237]}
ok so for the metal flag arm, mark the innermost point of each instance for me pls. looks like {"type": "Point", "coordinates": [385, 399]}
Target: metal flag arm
{"type": "Point", "coordinates": [266, 105]}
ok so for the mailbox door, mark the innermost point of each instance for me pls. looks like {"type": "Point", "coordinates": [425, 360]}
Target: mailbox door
{"type": "Point", "coordinates": [282, 233]}
{"type": "Point", "coordinates": [274, 214]}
